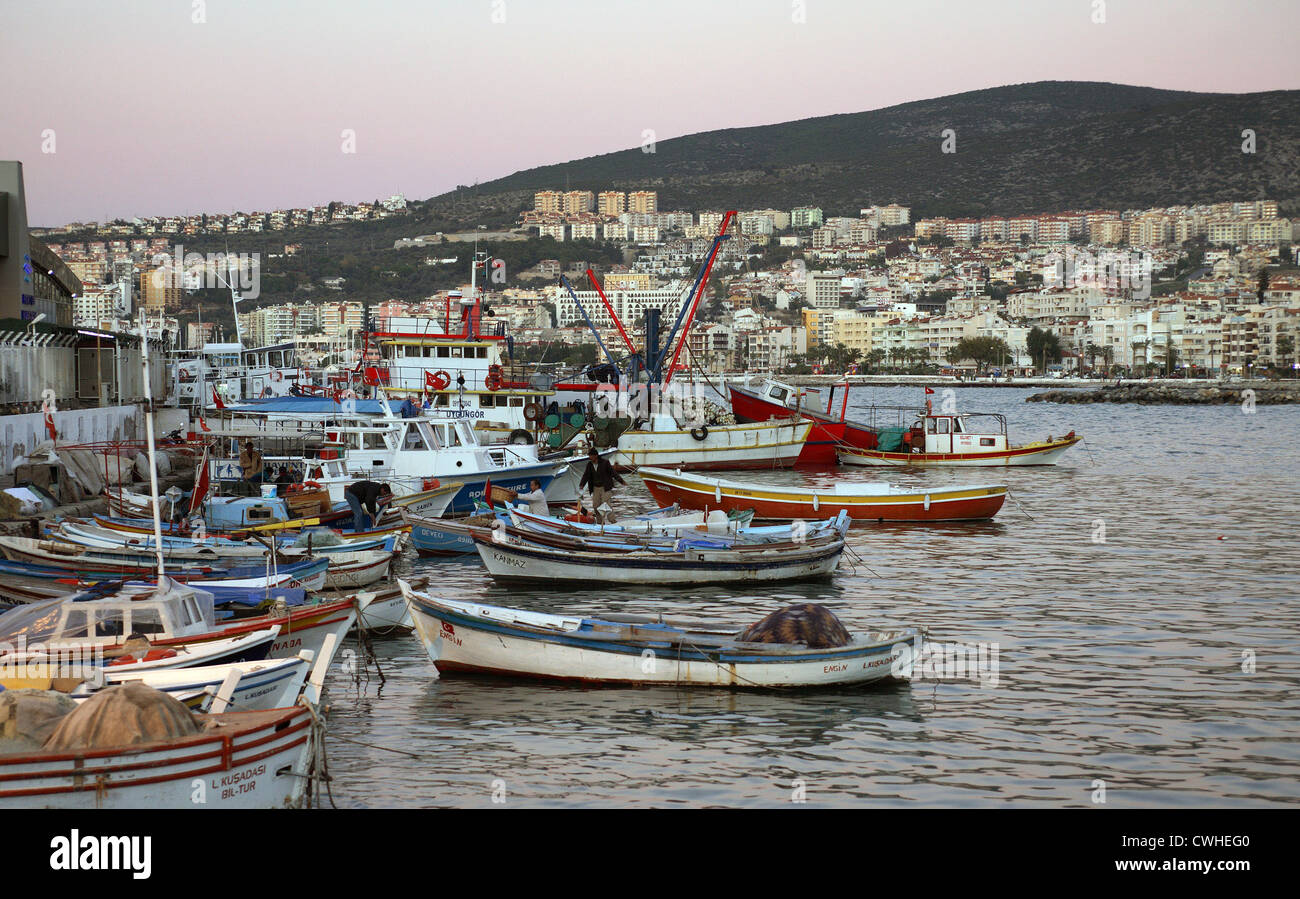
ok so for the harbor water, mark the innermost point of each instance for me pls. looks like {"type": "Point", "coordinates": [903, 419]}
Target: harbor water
{"type": "Point", "coordinates": [1137, 608]}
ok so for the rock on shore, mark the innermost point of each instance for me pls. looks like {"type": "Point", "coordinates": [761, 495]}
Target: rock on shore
{"type": "Point", "coordinates": [1263, 393]}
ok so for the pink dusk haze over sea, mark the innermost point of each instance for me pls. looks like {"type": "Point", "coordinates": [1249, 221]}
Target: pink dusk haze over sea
{"type": "Point", "coordinates": [155, 107]}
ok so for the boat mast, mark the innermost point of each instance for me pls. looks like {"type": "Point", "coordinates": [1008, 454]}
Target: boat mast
{"type": "Point", "coordinates": [148, 430]}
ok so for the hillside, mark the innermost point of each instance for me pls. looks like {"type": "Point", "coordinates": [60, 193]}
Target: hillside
{"type": "Point", "coordinates": [1021, 148]}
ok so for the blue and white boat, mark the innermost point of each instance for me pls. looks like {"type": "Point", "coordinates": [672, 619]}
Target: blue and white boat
{"type": "Point", "coordinates": [466, 637]}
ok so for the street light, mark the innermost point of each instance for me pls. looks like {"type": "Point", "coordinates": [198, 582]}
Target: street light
{"type": "Point", "coordinates": [31, 328]}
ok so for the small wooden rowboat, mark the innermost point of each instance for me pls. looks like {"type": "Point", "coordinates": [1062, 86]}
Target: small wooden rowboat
{"type": "Point", "coordinates": [507, 557]}
{"type": "Point", "coordinates": [253, 759]}
{"type": "Point", "coordinates": [472, 638]}
{"type": "Point", "coordinates": [863, 501]}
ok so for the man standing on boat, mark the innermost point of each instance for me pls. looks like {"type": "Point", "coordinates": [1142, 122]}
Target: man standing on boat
{"type": "Point", "coordinates": [365, 495]}
{"type": "Point", "coordinates": [250, 466]}
{"type": "Point", "coordinates": [536, 499]}
{"type": "Point", "coordinates": [600, 476]}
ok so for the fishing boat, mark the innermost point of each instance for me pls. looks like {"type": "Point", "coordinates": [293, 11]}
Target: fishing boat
{"type": "Point", "coordinates": [253, 686]}
{"type": "Point", "coordinates": [863, 501]}
{"type": "Point", "coordinates": [663, 440]}
{"type": "Point", "coordinates": [349, 570]}
{"type": "Point", "coordinates": [509, 558]}
{"type": "Point", "coordinates": [774, 399]}
{"type": "Point", "coordinates": [239, 759]}
{"type": "Point", "coordinates": [466, 637]}
{"type": "Point", "coordinates": [972, 439]}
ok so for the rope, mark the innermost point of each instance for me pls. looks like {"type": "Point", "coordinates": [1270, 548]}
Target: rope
{"type": "Point", "coordinates": [1089, 449]}
{"type": "Point", "coordinates": [1020, 506]}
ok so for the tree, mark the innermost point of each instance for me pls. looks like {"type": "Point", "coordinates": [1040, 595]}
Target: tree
{"type": "Point", "coordinates": [1286, 349]}
{"type": "Point", "coordinates": [1044, 347]}
{"type": "Point", "coordinates": [983, 351]}
{"type": "Point", "coordinates": [1263, 284]}
{"type": "Point", "coordinates": [876, 358]}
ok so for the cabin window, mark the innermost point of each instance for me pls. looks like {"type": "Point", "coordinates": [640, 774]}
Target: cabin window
{"type": "Point", "coordinates": [76, 625]}
{"type": "Point", "coordinates": [482, 352]}
{"type": "Point", "coordinates": [929, 426]}
{"type": "Point", "coordinates": [516, 400]}
{"type": "Point", "coordinates": [440, 399]}
{"type": "Point", "coordinates": [943, 426]}
{"type": "Point", "coordinates": [146, 621]}
{"type": "Point", "coordinates": [779, 394]}
{"type": "Point", "coordinates": [957, 426]}
{"type": "Point", "coordinates": [987, 441]}
{"type": "Point", "coordinates": [413, 439]}
{"type": "Point", "coordinates": [109, 623]}
{"type": "Point", "coordinates": [443, 352]}
{"type": "Point", "coordinates": [371, 440]}
{"type": "Point", "coordinates": [455, 352]}
{"type": "Point", "coordinates": [191, 609]}
{"type": "Point", "coordinates": [428, 351]}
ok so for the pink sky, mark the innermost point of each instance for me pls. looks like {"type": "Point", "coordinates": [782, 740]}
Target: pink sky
{"type": "Point", "coordinates": [154, 114]}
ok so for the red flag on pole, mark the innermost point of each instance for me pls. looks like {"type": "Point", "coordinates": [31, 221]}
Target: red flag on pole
{"type": "Point", "coordinates": [928, 391]}
{"type": "Point", "coordinates": [487, 492]}
{"type": "Point", "coordinates": [216, 398]}
{"type": "Point", "coordinates": [49, 426]}
{"type": "Point", "coordinates": [202, 485]}
{"type": "Point", "coordinates": [203, 425]}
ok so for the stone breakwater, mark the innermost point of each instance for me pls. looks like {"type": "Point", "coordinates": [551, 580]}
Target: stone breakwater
{"type": "Point", "coordinates": [1262, 393]}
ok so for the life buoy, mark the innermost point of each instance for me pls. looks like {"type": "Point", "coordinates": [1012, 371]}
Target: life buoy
{"type": "Point", "coordinates": [492, 382]}
{"type": "Point", "coordinates": [520, 437]}
{"type": "Point", "coordinates": [277, 376]}
{"type": "Point", "coordinates": [441, 380]}
{"type": "Point", "coordinates": [700, 433]}
{"type": "Point", "coordinates": [311, 485]}
{"type": "Point", "coordinates": [533, 411]}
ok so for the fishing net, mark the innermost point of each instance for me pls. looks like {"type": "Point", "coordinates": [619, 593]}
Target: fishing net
{"type": "Point", "coordinates": [812, 625]}
{"type": "Point", "coordinates": [28, 717]}
{"type": "Point", "coordinates": [122, 715]}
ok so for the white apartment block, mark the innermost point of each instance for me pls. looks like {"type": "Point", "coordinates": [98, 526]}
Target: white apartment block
{"type": "Point", "coordinates": [805, 217]}
{"type": "Point", "coordinates": [823, 289]}
{"type": "Point", "coordinates": [630, 305]}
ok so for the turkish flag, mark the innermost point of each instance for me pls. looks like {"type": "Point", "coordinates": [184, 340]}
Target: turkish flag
{"type": "Point", "coordinates": [49, 426]}
{"type": "Point", "coordinates": [928, 391]}
{"type": "Point", "coordinates": [429, 382]}
{"type": "Point", "coordinates": [216, 398]}
{"type": "Point", "coordinates": [202, 485]}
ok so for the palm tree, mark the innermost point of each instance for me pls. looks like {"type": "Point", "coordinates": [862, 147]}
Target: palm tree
{"type": "Point", "coordinates": [1140, 345]}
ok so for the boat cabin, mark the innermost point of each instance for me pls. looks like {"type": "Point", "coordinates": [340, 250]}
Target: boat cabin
{"type": "Point", "coordinates": [953, 433]}
{"type": "Point", "coordinates": [179, 611]}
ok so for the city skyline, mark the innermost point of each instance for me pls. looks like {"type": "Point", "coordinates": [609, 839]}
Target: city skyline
{"type": "Point", "coordinates": [280, 97]}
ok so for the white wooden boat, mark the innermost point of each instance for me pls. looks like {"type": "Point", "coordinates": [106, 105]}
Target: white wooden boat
{"type": "Point", "coordinates": [430, 503]}
{"type": "Point", "coordinates": [509, 559]}
{"type": "Point", "coordinates": [474, 638]}
{"type": "Point", "coordinates": [383, 612]}
{"type": "Point", "coordinates": [948, 439]}
{"type": "Point", "coordinates": [254, 759]}
{"type": "Point", "coordinates": [256, 686]}
{"type": "Point", "coordinates": [770, 444]}
{"type": "Point", "coordinates": [349, 570]}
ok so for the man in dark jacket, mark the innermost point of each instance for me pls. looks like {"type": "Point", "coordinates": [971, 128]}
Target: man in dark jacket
{"type": "Point", "coordinates": [600, 477]}
{"type": "Point", "coordinates": [365, 495]}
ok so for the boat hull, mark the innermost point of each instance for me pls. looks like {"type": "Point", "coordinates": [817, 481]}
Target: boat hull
{"type": "Point", "coordinates": [1046, 453]}
{"type": "Point", "coordinates": [764, 445]}
{"type": "Point", "coordinates": [826, 435]}
{"type": "Point", "coordinates": [256, 760]}
{"type": "Point", "coordinates": [773, 503]}
{"type": "Point", "coordinates": [508, 561]}
{"type": "Point", "coordinates": [461, 643]}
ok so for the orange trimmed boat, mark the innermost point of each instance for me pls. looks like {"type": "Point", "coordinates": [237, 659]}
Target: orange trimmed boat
{"type": "Point", "coordinates": [862, 501]}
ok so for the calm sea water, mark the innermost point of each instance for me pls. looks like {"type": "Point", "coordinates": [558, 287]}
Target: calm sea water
{"type": "Point", "coordinates": [1143, 597]}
